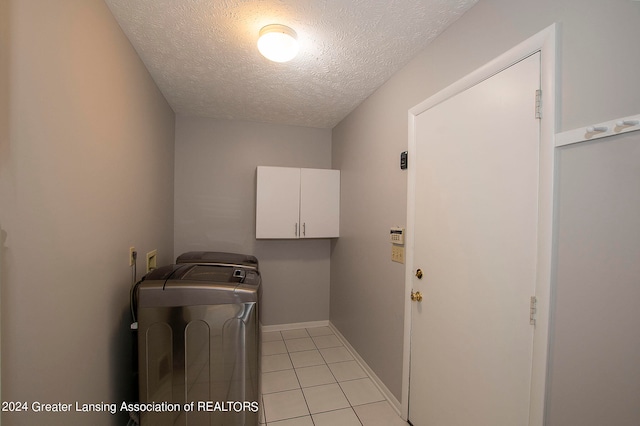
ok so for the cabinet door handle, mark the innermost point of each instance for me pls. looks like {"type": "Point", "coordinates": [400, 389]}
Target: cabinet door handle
{"type": "Point", "coordinates": [296, 229]}
{"type": "Point", "coordinates": [304, 228]}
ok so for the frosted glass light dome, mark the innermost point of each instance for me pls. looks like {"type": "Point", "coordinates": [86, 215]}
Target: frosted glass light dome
{"type": "Point", "coordinates": [278, 43]}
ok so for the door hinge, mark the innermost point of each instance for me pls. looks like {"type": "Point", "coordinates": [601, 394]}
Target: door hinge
{"type": "Point", "coordinates": [538, 104]}
{"type": "Point", "coordinates": [533, 310]}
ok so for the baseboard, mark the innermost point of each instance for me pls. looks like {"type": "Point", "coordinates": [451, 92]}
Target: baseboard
{"type": "Point", "coordinates": [393, 401]}
{"type": "Point", "coordinates": [293, 326]}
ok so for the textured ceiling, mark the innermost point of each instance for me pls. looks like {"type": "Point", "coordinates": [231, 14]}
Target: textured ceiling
{"type": "Point", "coordinates": [202, 53]}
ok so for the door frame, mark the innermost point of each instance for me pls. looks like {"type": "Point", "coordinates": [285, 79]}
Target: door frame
{"type": "Point", "coordinates": [545, 43]}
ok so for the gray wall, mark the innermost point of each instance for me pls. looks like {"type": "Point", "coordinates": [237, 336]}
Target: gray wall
{"type": "Point", "coordinates": [4, 133]}
{"type": "Point", "coordinates": [598, 67]}
{"type": "Point", "coordinates": [215, 184]}
{"type": "Point", "coordinates": [86, 170]}
{"type": "Point", "coordinates": [594, 364]}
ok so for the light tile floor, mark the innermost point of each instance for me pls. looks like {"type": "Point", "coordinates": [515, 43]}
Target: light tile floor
{"type": "Point", "coordinates": [310, 379]}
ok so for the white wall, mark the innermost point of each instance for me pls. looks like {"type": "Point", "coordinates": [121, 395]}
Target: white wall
{"type": "Point", "coordinates": [86, 170]}
{"type": "Point", "coordinates": [597, 71]}
{"type": "Point", "coordinates": [215, 183]}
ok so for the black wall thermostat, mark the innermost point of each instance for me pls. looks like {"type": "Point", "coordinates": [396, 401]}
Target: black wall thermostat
{"type": "Point", "coordinates": [403, 160]}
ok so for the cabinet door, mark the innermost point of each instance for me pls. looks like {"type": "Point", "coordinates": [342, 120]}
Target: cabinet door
{"type": "Point", "coordinates": [320, 203]}
{"type": "Point", "coordinates": [277, 202]}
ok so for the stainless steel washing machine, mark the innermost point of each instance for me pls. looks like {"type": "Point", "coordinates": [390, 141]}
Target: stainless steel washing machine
{"type": "Point", "coordinates": [198, 342]}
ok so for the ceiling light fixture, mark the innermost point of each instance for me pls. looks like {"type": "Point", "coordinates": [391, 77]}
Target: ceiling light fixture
{"type": "Point", "coordinates": [278, 43]}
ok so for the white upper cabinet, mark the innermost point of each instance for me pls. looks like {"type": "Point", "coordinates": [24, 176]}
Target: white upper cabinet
{"type": "Point", "coordinates": [277, 202]}
{"type": "Point", "coordinates": [320, 203]}
{"type": "Point", "coordinates": [297, 203]}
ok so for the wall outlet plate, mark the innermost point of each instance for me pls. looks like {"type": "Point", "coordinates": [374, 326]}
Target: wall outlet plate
{"type": "Point", "coordinates": [152, 260]}
{"type": "Point", "coordinates": [132, 258]}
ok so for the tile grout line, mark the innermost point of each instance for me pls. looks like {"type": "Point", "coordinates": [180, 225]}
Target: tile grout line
{"type": "Point", "coordinates": [298, 378]}
{"type": "Point", "coordinates": [351, 406]}
{"type": "Point", "coordinates": [334, 377]}
{"type": "Point", "coordinates": [326, 364]}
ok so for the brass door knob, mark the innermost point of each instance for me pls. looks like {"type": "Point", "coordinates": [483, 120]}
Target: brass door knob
{"type": "Point", "coordinates": [416, 297]}
{"type": "Point", "coordinates": [419, 274]}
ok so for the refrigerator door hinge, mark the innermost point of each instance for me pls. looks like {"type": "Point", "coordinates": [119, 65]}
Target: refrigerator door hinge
{"type": "Point", "coordinates": [532, 310]}
{"type": "Point", "coordinates": [538, 104]}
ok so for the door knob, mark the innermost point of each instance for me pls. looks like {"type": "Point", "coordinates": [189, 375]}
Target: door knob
{"type": "Point", "coordinates": [419, 274]}
{"type": "Point", "coordinates": [416, 297]}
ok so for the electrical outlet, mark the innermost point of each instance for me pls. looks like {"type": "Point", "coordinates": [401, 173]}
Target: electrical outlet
{"type": "Point", "coordinates": [132, 256]}
{"type": "Point", "coordinates": [152, 260]}
{"type": "Point", "coordinates": [397, 253]}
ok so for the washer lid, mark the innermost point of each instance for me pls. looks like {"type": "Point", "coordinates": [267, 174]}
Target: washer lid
{"type": "Point", "coordinates": [219, 258]}
{"type": "Point", "coordinates": [195, 284]}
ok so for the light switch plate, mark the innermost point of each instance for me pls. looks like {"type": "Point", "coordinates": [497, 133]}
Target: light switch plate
{"type": "Point", "coordinates": [397, 253]}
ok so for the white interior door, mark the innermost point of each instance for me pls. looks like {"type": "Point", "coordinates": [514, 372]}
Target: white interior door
{"type": "Point", "coordinates": [475, 240]}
